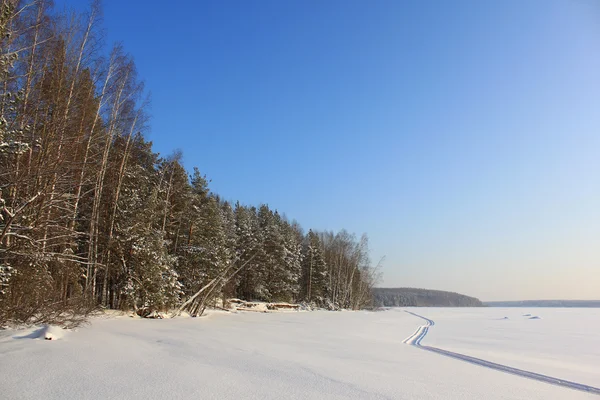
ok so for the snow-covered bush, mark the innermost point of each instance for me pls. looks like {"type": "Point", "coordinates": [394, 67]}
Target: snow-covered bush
{"type": "Point", "coordinates": [5, 273]}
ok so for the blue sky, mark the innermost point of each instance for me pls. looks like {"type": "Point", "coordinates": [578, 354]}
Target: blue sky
{"type": "Point", "coordinates": [463, 137]}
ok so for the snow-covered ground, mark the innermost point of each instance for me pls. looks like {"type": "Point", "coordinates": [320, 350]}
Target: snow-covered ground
{"type": "Point", "coordinates": [559, 342]}
{"type": "Point", "coordinates": [307, 355]}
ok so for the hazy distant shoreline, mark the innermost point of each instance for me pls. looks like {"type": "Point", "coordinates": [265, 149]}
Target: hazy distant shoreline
{"type": "Point", "coordinates": [545, 303]}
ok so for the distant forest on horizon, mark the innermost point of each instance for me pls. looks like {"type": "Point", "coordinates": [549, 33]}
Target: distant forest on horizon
{"type": "Point", "coordinates": [415, 297]}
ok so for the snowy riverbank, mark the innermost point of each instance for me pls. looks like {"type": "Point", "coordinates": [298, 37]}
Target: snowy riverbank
{"type": "Point", "coordinates": [293, 355]}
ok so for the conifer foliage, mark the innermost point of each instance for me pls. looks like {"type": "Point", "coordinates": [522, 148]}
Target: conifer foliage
{"type": "Point", "coordinates": [91, 216]}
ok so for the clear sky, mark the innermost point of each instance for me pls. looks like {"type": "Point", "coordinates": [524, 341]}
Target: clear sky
{"type": "Point", "coordinates": [462, 136]}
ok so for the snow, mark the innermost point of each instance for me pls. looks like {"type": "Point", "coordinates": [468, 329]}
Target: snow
{"type": "Point", "coordinates": [561, 342]}
{"type": "Point", "coordinates": [47, 332]}
{"type": "Point", "coordinates": [307, 355]}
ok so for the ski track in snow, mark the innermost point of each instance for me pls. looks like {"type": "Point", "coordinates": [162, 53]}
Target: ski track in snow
{"type": "Point", "coordinates": [416, 338]}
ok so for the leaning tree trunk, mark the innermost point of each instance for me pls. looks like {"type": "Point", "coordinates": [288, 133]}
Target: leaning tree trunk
{"type": "Point", "coordinates": [197, 301]}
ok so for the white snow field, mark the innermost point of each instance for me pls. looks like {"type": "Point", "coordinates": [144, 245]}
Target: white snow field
{"type": "Point", "coordinates": [559, 342]}
{"type": "Point", "coordinates": [310, 355]}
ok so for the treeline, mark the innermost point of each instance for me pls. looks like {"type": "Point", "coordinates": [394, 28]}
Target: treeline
{"type": "Point", "coordinates": [411, 297]}
{"type": "Point", "coordinates": [91, 216]}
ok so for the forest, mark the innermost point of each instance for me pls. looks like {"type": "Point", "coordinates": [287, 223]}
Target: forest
{"type": "Point", "coordinates": [412, 297]}
{"type": "Point", "coordinates": [91, 217]}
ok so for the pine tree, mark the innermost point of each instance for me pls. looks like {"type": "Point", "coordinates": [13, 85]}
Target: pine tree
{"type": "Point", "coordinates": [249, 250]}
{"type": "Point", "coordinates": [147, 279]}
{"type": "Point", "coordinates": [271, 256]}
{"type": "Point", "coordinates": [314, 271]}
{"type": "Point", "coordinates": [292, 267]}
{"type": "Point", "coordinates": [229, 228]}
{"type": "Point", "coordinates": [206, 254]}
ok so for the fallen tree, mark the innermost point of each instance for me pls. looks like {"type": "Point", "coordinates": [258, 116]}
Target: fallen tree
{"type": "Point", "coordinates": [196, 304]}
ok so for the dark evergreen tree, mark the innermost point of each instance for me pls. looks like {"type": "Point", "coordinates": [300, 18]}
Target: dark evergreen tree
{"type": "Point", "coordinates": [314, 271]}
{"type": "Point", "coordinates": [206, 254]}
{"type": "Point", "coordinates": [249, 251]}
{"type": "Point", "coordinates": [229, 227]}
{"type": "Point", "coordinates": [291, 270]}
{"type": "Point", "coordinates": [273, 256]}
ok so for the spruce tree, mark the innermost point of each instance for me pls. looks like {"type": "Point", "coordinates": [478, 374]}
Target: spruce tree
{"type": "Point", "coordinates": [292, 266]}
{"type": "Point", "coordinates": [249, 251]}
{"type": "Point", "coordinates": [229, 227]}
{"type": "Point", "coordinates": [206, 254]}
{"type": "Point", "coordinates": [314, 271]}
